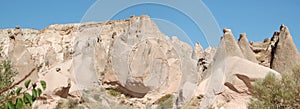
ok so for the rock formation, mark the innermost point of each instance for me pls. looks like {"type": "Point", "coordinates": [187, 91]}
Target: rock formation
{"type": "Point", "coordinates": [198, 51]}
{"type": "Point", "coordinates": [19, 55]}
{"type": "Point", "coordinates": [245, 47]}
{"type": "Point", "coordinates": [228, 63]}
{"type": "Point", "coordinates": [263, 50]}
{"type": "Point", "coordinates": [279, 52]}
{"type": "Point", "coordinates": [285, 54]}
{"type": "Point", "coordinates": [232, 48]}
{"type": "Point", "coordinates": [132, 54]}
{"type": "Point", "coordinates": [62, 91]}
{"type": "Point", "coordinates": [131, 64]}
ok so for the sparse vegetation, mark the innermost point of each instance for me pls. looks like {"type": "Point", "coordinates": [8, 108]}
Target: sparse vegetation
{"type": "Point", "coordinates": [165, 102]}
{"type": "Point", "coordinates": [114, 92]}
{"type": "Point", "coordinates": [194, 102]}
{"type": "Point", "coordinates": [13, 97]}
{"type": "Point", "coordinates": [6, 79]}
{"type": "Point", "coordinates": [274, 93]}
{"type": "Point", "coordinates": [69, 104]}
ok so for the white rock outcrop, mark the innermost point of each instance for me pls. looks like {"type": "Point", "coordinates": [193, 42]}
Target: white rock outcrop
{"type": "Point", "coordinates": [130, 54]}
{"type": "Point", "coordinates": [226, 76]}
{"type": "Point", "coordinates": [139, 65]}
{"type": "Point", "coordinates": [285, 56]}
{"type": "Point", "coordinates": [245, 47]}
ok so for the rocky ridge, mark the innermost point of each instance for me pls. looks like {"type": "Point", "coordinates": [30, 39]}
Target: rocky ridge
{"type": "Point", "coordinates": [81, 61]}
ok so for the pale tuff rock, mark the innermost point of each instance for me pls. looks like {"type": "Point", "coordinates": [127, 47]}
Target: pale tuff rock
{"type": "Point", "coordinates": [59, 78]}
{"type": "Point", "coordinates": [133, 57]}
{"type": "Point", "coordinates": [198, 51]}
{"type": "Point", "coordinates": [84, 63]}
{"type": "Point", "coordinates": [214, 89]}
{"type": "Point", "coordinates": [111, 53]}
{"type": "Point", "coordinates": [285, 54]}
{"type": "Point", "coordinates": [245, 47]}
{"type": "Point", "coordinates": [263, 50]}
{"type": "Point", "coordinates": [279, 52]}
{"type": "Point", "coordinates": [50, 57]}
{"type": "Point", "coordinates": [209, 54]}
{"type": "Point", "coordinates": [189, 67]}
{"type": "Point", "coordinates": [143, 63]}
{"type": "Point", "coordinates": [19, 56]}
{"type": "Point", "coordinates": [186, 93]}
{"type": "Point", "coordinates": [221, 74]}
{"type": "Point", "coordinates": [232, 48]}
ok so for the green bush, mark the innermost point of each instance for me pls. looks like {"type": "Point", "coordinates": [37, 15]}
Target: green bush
{"type": "Point", "coordinates": [274, 93]}
{"type": "Point", "coordinates": [6, 78]}
{"type": "Point", "coordinates": [13, 97]}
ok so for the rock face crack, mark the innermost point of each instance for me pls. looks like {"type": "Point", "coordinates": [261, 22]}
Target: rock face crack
{"type": "Point", "coordinates": [231, 87]}
{"type": "Point", "coordinates": [247, 81]}
{"type": "Point", "coordinates": [125, 91]}
{"type": "Point", "coordinates": [273, 50]}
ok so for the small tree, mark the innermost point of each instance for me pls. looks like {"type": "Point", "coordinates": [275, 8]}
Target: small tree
{"type": "Point", "coordinates": [6, 78]}
{"type": "Point", "coordinates": [13, 97]}
{"type": "Point", "coordinates": [275, 93]}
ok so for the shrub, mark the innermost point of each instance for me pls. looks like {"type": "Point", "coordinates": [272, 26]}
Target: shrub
{"type": "Point", "coordinates": [13, 97]}
{"type": "Point", "coordinates": [114, 92]}
{"type": "Point", "coordinates": [6, 79]}
{"type": "Point", "coordinates": [274, 93]}
{"type": "Point", "coordinates": [68, 104]}
{"type": "Point", "coordinates": [165, 102]}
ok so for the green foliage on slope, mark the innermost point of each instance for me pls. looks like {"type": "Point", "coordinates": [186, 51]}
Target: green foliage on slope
{"type": "Point", "coordinates": [11, 95]}
{"type": "Point", "coordinates": [6, 78]}
{"type": "Point", "coordinates": [275, 93]}
{"type": "Point", "coordinates": [165, 102]}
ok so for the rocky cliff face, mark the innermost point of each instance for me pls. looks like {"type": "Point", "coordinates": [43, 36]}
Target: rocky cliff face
{"type": "Point", "coordinates": [81, 61]}
{"type": "Point", "coordinates": [229, 77]}
{"type": "Point", "coordinates": [279, 52]}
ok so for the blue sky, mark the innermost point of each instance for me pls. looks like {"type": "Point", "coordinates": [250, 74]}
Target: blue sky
{"type": "Point", "coordinates": [258, 18]}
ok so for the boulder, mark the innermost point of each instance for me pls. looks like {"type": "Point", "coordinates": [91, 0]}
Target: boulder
{"type": "Point", "coordinates": [209, 54]}
{"type": "Point", "coordinates": [62, 92]}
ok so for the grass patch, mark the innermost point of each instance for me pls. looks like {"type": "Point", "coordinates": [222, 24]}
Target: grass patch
{"type": "Point", "coordinates": [114, 92]}
{"type": "Point", "coordinates": [165, 102]}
